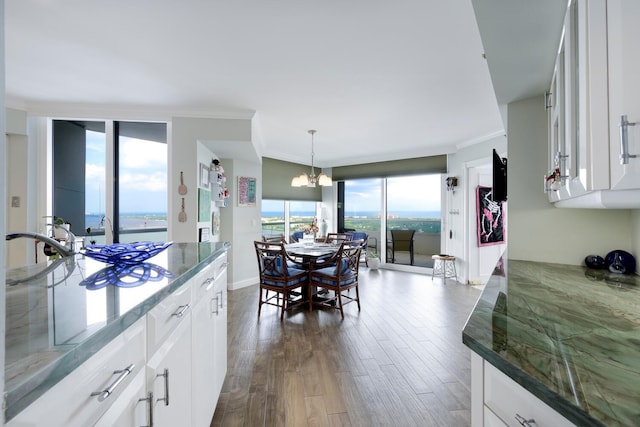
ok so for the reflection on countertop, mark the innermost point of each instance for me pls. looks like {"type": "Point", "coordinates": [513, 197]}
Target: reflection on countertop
{"type": "Point", "coordinates": [568, 334]}
{"type": "Point", "coordinates": [70, 308]}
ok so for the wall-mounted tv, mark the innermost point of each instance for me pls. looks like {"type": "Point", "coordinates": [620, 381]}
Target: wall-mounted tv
{"type": "Point", "coordinates": [499, 192]}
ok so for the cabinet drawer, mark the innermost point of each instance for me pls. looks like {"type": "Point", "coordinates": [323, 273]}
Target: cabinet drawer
{"type": "Point", "coordinates": [70, 403]}
{"type": "Point", "coordinates": [203, 281]}
{"type": "Point", "coordinates": [491, 419]}
{"type": "Point", "coordinates": [166, 316]}
{"type": "Point", "coordinates": [506, 398]}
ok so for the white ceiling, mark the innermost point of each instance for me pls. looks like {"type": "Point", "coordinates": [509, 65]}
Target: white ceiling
{"type": "Point", "coordinates": [378, 79]}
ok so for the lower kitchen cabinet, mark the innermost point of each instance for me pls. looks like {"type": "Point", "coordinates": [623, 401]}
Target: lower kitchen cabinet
{"type": "Point", "coordinates": [83, 396]}
{"type": "Point", "coordinates": [500, 401]}
{"type": "Point", "coordinates": [209, 341]}
{"type": "Point", "coordinates": [167, 369]}
{"type": "Point", "coordinates": [129, 409]}
{"type": "Point", "coordinates": [169, 377]}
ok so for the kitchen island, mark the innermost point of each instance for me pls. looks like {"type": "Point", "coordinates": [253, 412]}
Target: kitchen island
{"type": "Point", "coordinates": [568, 335]}
{"type": "Point", "coordinates": [59, 315]}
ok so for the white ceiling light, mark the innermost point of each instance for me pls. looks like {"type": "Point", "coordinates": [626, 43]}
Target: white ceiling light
{"type": "Point", "coordinates": [304, 180]}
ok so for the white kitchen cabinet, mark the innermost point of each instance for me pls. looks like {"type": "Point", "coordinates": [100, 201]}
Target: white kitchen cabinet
{"type": "Point", "coordinates": [504, 402]}
{"type": "Point", "coordinates": [592, 87]}
{"type": "Point", "coordinates": [209, 340]}
{"type": "Point", "coordinates": [169, 352]}
{"type": "Point", "coordinates": [130, 408]}
{"type": "Point", "coordinates": [169, 377]}
{"type": "Point", "coordinates": [623, 17]}
{"type": "Point", "coordinates": [83, 396]}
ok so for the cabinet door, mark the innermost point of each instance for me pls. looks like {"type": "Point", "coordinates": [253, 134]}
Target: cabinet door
{"type": "Point", "coordinates": [169, 377]}
{"type": "Point", "coordinates": [624, 90]}
{"type": "Point", "coordinates": [202, 355]}
{"type": "Point", "coordinates": [220, 322]}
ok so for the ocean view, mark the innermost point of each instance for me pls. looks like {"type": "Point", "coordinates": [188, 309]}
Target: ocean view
{"type": "Point", "coordinates": [364, 214]}
{"type": "Point", "coordinates": [129, 221]}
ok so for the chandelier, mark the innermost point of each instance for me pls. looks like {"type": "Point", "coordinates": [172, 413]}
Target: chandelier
{"type": "Point", "coordinates": [304, 180]}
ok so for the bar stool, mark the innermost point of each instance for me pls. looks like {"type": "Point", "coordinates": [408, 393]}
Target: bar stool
{"type": "Point", "coordinates": [444, 266]}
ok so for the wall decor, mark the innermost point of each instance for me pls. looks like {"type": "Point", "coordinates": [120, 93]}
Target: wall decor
{"type": "Point", "coordinates": [246, 191]}
{"type": "Point", "coordinates": [215, 223]}
{"type": "Point", "coordinates": [204, 205]}
{"type": "Point", "coordinates": [490, 217]}
{"type": "Point", "coordinates": [204, 234]}
{"type": "Point", "coordinates": [204, 176]}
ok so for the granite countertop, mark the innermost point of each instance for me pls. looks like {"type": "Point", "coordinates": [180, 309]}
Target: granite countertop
{"type": "Point", "coordinates": [65, 311]}
{"type": "Point", "coordinates": [568, 334]}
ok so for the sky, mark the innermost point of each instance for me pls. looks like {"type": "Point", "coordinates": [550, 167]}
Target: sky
{"type": "Point", "coordinates": [143, 175]}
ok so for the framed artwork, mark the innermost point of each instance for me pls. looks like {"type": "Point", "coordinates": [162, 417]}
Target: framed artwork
{"type": "Point", "coordinates": [204, 176]}
{"type": "Point", "coordinates": [490, 216]}
{"type": "Point", "coordinates": [215, 223]}
{"type": "Point", "coordinates": [204, 205]}
{"type": "Point", "coordinates": [204, 234]}
{"type": "Point", "coordinates": [246, 191]}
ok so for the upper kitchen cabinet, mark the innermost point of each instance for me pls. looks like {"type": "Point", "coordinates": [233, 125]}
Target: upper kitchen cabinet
{"type": "Point", "coordinates": [623, 17]}
{"type": "Point", "coordinates": [588, 95]}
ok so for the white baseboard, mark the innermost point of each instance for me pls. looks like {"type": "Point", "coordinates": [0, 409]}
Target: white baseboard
{"type": "Point", "coordinates": [242, 284]}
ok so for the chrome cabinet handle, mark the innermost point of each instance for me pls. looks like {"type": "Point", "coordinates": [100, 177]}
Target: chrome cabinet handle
{"type": "Point", "coordinates": [165, 374]}
{"type": "Point", "coordinates": [216, 305]}
{"type": "Point", "coordinates": [149, 400]}
{"type": "Point", "coordinates": [207, 282]}
{"type": "Point", "coordinates": [102, 395]}
{"type": "Point", "coordinates": [221, 299]}
{"type": "Point", "coordinates": [624, 140]}
{"type": "Point", "coordinates": [525, 422]}
{"type": "Point", "coordinates": [182, 310]}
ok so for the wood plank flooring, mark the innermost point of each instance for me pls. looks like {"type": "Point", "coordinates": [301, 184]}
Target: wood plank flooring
{"type": "Point", "coordinates": [398, 362]}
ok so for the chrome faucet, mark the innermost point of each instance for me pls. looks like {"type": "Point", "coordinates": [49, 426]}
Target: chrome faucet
{"type": "Point", "coordinates": [67, 249]}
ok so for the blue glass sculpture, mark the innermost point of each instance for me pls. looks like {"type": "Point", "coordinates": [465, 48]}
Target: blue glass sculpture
{"type": "Point", "coordinates": [125, 253]}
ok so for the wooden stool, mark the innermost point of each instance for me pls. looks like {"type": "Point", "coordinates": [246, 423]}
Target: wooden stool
{"type": "Point", "coordinates": [444, 266]}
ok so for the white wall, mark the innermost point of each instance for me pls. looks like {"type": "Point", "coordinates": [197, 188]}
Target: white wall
{"type": "Point", "coordinates": [3, 195]}
{"type": "Point", "coordinates": [538, 231]}
{"type": "Point", "coordinates": [238, 225]}
{"type": "Point", "coordinates": [472, 166]}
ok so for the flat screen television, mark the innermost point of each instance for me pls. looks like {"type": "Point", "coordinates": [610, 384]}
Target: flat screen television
{"type": "Point", "coordinates": [499, 191]}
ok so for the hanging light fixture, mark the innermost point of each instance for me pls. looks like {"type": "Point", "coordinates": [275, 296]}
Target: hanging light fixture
{"type": "Point", "coordinates": [304, 180]}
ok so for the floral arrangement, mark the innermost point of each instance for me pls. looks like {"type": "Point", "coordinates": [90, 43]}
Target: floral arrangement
{"type": "Point", "coordinates": [312, 228]}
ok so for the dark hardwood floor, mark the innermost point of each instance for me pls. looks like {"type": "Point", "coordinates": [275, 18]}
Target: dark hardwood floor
{"type": "Point", "coordinates": [398, 362]}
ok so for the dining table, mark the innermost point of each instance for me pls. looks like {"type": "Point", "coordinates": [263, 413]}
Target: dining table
{"type": "Point", "coordinates": [307, 253]}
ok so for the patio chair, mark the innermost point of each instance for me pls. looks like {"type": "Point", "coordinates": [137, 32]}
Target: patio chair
{"type": "Point", "coordinates": [402, 240]}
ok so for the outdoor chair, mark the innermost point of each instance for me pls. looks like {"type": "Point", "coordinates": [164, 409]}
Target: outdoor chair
{"type": "Point", "coordinates": [402, 240]}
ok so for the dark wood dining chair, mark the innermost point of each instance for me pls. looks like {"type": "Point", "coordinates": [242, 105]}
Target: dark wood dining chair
{"type": "Point", "coordinates": [338, 237]}
{"type": "Point", "coordinates": [336, 274]}
{"type": "Point", "coordinates": [402, 240]}
{"type": "Point", "coordinates": [278, 273]}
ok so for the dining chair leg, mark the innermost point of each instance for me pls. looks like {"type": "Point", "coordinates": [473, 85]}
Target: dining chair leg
{"type": "Point", "coordinates": [260, 302]}
{"type": "Point", "coordinates": [358, 297]}
{"type": "Point", "coordinates": [340, 303]}
{"type": "Point", "coordinates": [284, 303]}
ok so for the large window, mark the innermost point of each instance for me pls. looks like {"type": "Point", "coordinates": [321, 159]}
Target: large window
{"type": "Point", "coordinates": [412, 203]}
{"type": "Point", "coordinates": [285, 217]}
{"type": "Point", "coordinates": [111, 188]}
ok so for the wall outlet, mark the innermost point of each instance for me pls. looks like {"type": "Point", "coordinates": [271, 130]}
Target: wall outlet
{"type": "Point", "coordinates": [15, 201]}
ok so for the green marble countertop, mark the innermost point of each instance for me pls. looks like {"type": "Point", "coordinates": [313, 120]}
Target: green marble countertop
{"type": "Point", "coordinates": [58, 317]}
{"type": "Point", "coordinates": [568, 334]}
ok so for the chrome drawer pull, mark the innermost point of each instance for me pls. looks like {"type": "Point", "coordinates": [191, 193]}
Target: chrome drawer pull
{"type": "Point", "coordinates": [624, 140]}
{"type": "Point", "coordinates": [221, 300]}
{"type": "Point", "coordinates": [149, 400]}
{"type": "Point", "coordinates": [182, 310]}
{"type": "Point", "coordinates": [102, 395]}
{"type": "Point", "coordinates": [165, 374]}
{"type": "Point", "coordinates": [524, 422]}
